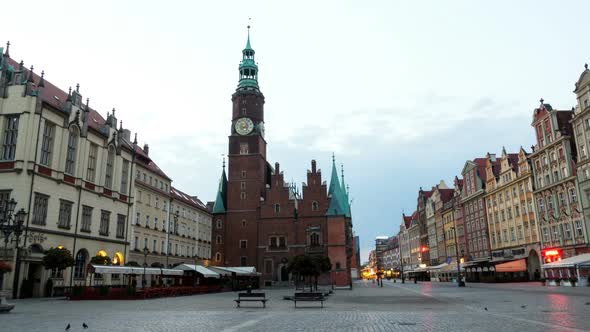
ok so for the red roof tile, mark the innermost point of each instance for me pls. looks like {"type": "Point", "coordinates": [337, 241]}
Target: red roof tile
{"type": "Point", "coordinates": [188, 199]}
{"type": "Point", "coordinates": [446, 194]}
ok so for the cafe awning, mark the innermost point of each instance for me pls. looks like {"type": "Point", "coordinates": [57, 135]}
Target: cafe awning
{"type": "Point", "coordinates": [239, 271]}
{"type": "Point", "coordinates": [579, 260]}
{"type": "Point", "coordinates": [115, 269]}
{"type": "Point", "coordinates": [199, 269]}
{"type": "Point", "coordinates": [512, 266]}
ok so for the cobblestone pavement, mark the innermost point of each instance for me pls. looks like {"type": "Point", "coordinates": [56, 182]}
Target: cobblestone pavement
{"type": "Point", "coordinates": [394, 307]}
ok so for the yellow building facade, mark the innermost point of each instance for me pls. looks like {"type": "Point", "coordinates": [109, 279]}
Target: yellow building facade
{"type": "Point", "coordinates": [512, 222]}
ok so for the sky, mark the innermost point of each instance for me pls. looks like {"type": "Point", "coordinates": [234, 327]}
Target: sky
{"type": "Point", "coordinates": [402, 92]}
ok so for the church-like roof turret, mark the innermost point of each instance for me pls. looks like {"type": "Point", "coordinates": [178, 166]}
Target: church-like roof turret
{"type": "Point", "coordinates": [221, 199]}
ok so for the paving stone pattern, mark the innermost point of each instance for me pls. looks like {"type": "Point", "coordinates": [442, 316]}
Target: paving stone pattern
{"type": "Point", "coordinates": [394, 307]}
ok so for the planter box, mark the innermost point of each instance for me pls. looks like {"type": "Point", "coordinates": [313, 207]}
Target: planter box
{"type": "Point", "coordinates": [552, 283]}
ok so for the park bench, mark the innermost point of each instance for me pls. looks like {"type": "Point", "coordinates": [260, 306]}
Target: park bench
{"type": "Point", "coordinates": [309, 296]}
{"type": "Point", "coordinates": [251, 297]}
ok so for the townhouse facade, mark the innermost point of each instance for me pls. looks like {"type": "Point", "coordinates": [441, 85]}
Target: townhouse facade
{"type": "Point", "coordinates": [563, 232]}
{"type": "Point", "coordinates": [511, 218]}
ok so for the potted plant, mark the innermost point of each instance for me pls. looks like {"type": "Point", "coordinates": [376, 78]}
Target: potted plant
{"type": "Point", "coordinates": [543, 281]}
{"type": "Point", "coordinates": [557, 281]}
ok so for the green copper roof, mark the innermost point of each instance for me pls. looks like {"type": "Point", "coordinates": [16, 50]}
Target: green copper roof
{"type": "Point", "coordinates": [221, 199]}
{"type": "Point", "coordinates": [337, 197]}
{"type": "Point", "coordinates": [248, 67]}
{"type": "Point", "coordinates": [345, 195]}
{"type": "Point", "coordinates": [248, 46]}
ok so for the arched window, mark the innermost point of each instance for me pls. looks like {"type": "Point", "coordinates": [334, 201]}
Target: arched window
{"type": "Point", "coordinates": [80, 265]}
{"type": "Point", "coordinates": [219, 224]}
{"type": "Point", "coordinates": [72, 149]}
{"type": "Point", "coordinates": [108, 178]}
{"type": "Point", "coordinates": [337, 265]}
{"type": "Point", "coordinates": [277, 208]}
{"type": "Point", "coordinates": [218, 257]}
{"type": "Point", "coordinates": [314, 206]}
{"type": "Point", "coordinates": [218, 239]}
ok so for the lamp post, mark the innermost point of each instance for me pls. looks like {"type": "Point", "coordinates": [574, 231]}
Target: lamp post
{"type": "Point", "coordinates": [145, 253]}
{"type": "Point", "coordinates": [12, 223]}
{"type": "Point", "coordinates": [460, 282]}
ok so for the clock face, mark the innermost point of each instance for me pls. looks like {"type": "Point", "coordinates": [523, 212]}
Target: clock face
{"type": "Point", "coordinates": [244, 126]}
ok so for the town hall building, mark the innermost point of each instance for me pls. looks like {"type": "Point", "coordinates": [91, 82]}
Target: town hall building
{"type": "Point", "coordinates": [260, 220]}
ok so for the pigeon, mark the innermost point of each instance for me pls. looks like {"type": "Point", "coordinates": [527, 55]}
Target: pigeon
{"type": "Point", "coordinates": [523, 306]}
{"type": "Point", "coordinates": [486, 309]}
{"type": "Point", "coordinates": [84, 325]}
{"type": "Point", "coordinates": [68, 327]}
{"type": "Point", "coordinates": [587, 303]}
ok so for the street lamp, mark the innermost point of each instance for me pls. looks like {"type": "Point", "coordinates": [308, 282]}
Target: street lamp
{"type": "Point", "coordinates": [12, 224]}
{"type": "Point", "coordinates": [145, 253]}
{"type": "Point", "coordinates": [460, 282]}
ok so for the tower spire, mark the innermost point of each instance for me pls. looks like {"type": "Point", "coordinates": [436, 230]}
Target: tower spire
{"type": "Point", "coordinates": [7, 53]}
{"type": "Point", "coordinates": [248, 67]}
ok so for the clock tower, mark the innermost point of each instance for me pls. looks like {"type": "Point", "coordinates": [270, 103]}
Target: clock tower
{"type": "Point", "coordinates": [247, 174]}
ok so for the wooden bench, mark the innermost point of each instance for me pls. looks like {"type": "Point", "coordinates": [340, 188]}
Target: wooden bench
{"type": "Point", "coordinates": [309, 296]}
{"type": "Point", "coordinates": [251, 297]}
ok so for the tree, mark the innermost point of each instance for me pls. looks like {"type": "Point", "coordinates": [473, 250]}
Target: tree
{"type": "Point", "coordinates": [58, 258]}
{"type": "Point", "coordinates": [307, 266]}
{"type": "Point", "coordinates": [100, 260]}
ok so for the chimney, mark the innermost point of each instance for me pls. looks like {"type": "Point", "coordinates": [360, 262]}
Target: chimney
{"type": "Point", "coordinates": [146, 149]}
{"type": "Point", "coordinates": [492, 157]}
{"type": "Point", "coordinates": [313, 167]}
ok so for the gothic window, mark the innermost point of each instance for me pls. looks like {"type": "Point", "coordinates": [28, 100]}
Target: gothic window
{"type": "Point", "coordinates": [47, 145]}
{"type": "Point", "coordinates": [65, 214]}
{"type": "Point", "coordinates": [92, 156]}
{"type": "Point", "coordinates": [105, 218]}
{"type": "Point", "coordinates": [243, 223]}
{"type": "Point", "coordinates": [277, 208]}
{"type": "Point", "coordinates": [124, 175]}
{"type": "Point", "coordinates": [218, 257]}
{"type": "Point", "coordinates": [219, 224]}
{"type": "Point", "coordinates": [242, 195]}
{"type": "Point", "coordinates": [243, 185]}
{"type": "Point", "coordinates": [243, 173]}
{"type": "Point", "coordinates": [218, 239]}
{"type": "Point", "coordinates": [121, 226]}
{"type": "Point", "coordinates": [40, 209]}
{"type": "Point", "coordinates": [86, 218]}
{"type": "Point", "coordinates": [108, 179]}
{"type": "Point", "coordinates": [243, 244]}
{"type": "Point", "coordinates": [71, 154]}
{"type": "Point", "coordinates": [10, 138]}
{"type": "Point", "coordinates": [243, 261]}
{"type": "Point", "coordinates": [314, 206]}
